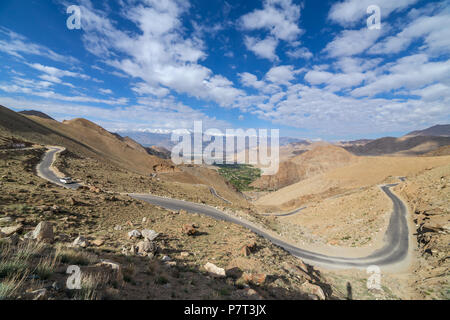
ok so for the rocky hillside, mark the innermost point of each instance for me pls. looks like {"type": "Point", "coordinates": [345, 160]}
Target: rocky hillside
{"type": "Point", "coordinates": [319, 159]}
{"type": "Point", "coordinates": [414, 145]}
{"type": "Point", "coordinates": [127, 249]}
{"type": "Point", "coordinates": [428, 195]}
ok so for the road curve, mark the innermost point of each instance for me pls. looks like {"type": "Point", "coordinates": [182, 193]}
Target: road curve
{"type": "Point", "coordinates": [396, 238]}
{"type": "Point", "coordinates": [393, 251]}
{"type": "Point", "coordinates": [44, 168]}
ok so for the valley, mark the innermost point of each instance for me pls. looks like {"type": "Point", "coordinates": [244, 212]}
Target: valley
{"type": "Point", "coordinates": [279, 239]}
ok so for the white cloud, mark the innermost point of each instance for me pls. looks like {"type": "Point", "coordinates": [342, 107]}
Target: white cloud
{"type": "Point", "coordinates": [262, 48]}
{"type": "Point", "coordinates": [434, 30]}
{"type": "Point", "coordinates": [17, 45]}
{"type": "Point", "coordinates": [412, 72]}
{"type": "Point", "coordinates": [281, 74]}
{"type": "Point", "coordinates": [279, 17]}
{"type": "Point", "coordinates": [303, 53]}
{"type": "Point", "coordinates": [353, 42]}
{"type": "Point", "coordinates": [105, 91]}
{"type": "Point", "coordinates": [349, 12]}
{"type": "Point", "coordinates": [159, 54]}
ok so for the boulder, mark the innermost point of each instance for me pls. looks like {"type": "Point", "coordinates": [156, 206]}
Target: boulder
{"type": "Point", "coordinates": [134, 234]}
{"type": "Point", "coordinates": [80, 242]}
{"type": "Point", "coordinates": [145, 247]}
{"type": "Point", "coordinates": [98, 242]}
{"type": "Point", "coordinates": [149, 235]}
{"type": "Point", "coordinates": [189, 229]}
{"type": "Point", "coordinates": [313, 289]}
{"type": "Point", "coordinates": [215, 270]}
{"type": "Point", "coordinates": [43, 232]}
{"type": "Point", "coordinates": [257, 278]}
{"type": "Point", "coordinates": [11, 230]}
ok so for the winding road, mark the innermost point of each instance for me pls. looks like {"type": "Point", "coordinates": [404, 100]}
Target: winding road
{"type": "Point", "coordinates": [44, 168]}
{"type": "Point", "coordinates": [394, 250]}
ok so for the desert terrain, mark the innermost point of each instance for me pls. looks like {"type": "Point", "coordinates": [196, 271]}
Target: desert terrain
{"type": "Point", "coordinates": [102, 229]}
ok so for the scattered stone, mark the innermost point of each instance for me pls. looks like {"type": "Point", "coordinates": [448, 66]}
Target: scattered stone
{"type": "Point", "coordinates": [80, 242]}
{"type": "Point", "coordinates": [166, 259]}
{"type": "Point", "coordinates": [98, 242]}
{"type": "Point", "coordinates": [189, 229]}
{"type": "Point", "coordinates": [40, 294]}
{"type": "Point", "coordinates": [2, 235]}
{"type": "Point", "coordinates": [134, 234]}
{"type": "Point", "coordinates": [43, 232]}
{"type": "Point", "coordinates": [149, 234]}
{"type": "Point", "coordinates": [248, 249]}
{"type": "Point", "coordinates": [114, 267]}
{"type": "Point", "coordinates": [118, 228]}
{"type": "Point", "coordinates": [257, 278]}
{"type": "Point", "coordinates": [145, 247]}
{"type": "Point", "coordinates": [184, 254]}
{"type": "Point", "coordinates": [215, 270]}
{"type": "Point", "coordinates": [144, 219]}
{"type": "Point", "coordinates": [313, 289]}
{"type": "Point", "coordinates": [11, 230]}
{"type": "Point", "coordinates": [171, 263]}
{"type": "Point", "coordinates": [6, 220]}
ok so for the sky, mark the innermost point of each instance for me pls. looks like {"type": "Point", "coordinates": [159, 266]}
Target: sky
{"type": "Point", "coordinates": [313, 69]}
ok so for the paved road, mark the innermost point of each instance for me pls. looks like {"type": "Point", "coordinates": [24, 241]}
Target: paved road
{"type": "Point", "coordinates": [44, 171]}
{"type": "Point", "coordinates": [396, 237]}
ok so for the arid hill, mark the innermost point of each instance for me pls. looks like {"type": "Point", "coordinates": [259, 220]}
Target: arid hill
{"type": "Point", "coordinates": [82, 137]}
{"type": "Point", "coordinates": [408, 145]}
{"type": "Point", "coordinates": [367, 171]}
{"type": "Point", "coordinates": [36, 113]}
{"type": "Point", "coordinates": [435, 131]}
{"type": "Point", "coordinates": [321, 158]}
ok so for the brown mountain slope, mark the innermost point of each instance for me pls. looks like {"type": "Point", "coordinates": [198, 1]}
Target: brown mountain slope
{"type": "Point", "coordinates": [367, 171]}
{"type": "Point", "coordinates": [321, 158]}
{"type": "Point", "coordinates": [414, 145]}
{"type": "Point", "coordinates": [81, 137]}
{"type": "Point", "coordinates": [123, 152]}
{"type": "Point", "coordinates": [36, 113]}
{"type": "Point", "coordinates": [435, 131]}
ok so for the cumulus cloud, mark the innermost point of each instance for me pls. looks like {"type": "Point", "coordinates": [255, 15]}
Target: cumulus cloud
{"type": "Point", "coordinates": [262, 48]}
{"type": "Point", "coordinates": [349, 12]}
{"type": "Point", "coordinates": [159, 54]}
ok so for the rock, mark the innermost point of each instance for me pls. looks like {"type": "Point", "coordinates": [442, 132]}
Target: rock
{"type": "Point", "coordinates": [114, 267]}
{"type": "Point", "coordinates": [313, 289]}
{"type": "Point", "coordinates": [149, 235]}
{"type": "Point", "coordinates": [295, 269]}
{"type": "Point", "coordinates": [80, 242]}
{"type": "Point", "coordinates": [215, 270]}
{"type": "Point", "coordinates": [171, 263]}
{"type": "Point", "coordinates": [40, 294]}
{"type": "Point", "coordinates": [247, 249]}
{"type": "Point", "coordinates": [43, 232]}
{"type": "Point", "coordinates": [252, 294]}
{"type": "Point", "coordinates": [144, 219]}
{"type": "Point", "coordinates": [258, 278]}
{"type": "Point", "coordinates": [145, 247]}
{"type": "Point", "coordinates": [11, 230]}
{"type": "Point", "coordinates": [184, 254]}
{"type": "Point", "coordinates": [72, 201]}
{"type": "Point", "coordinates": [118, 228]}
{"type": "Point", "coordinates": [98, 242]}
{"type": "Point", "coordinates": [6, 220]}
{"type": "Point", "coordinates": [134, 234]}
{"type": "Point", "coordinates": [2, 235]}
{"type": "Point", "coordinates": [166, 259]}
{"type": "Point", "coordinates": [189, 229]}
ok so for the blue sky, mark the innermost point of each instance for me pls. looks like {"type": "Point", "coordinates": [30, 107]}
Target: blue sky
{"type": "Point", "coordinates": [313, 69]}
